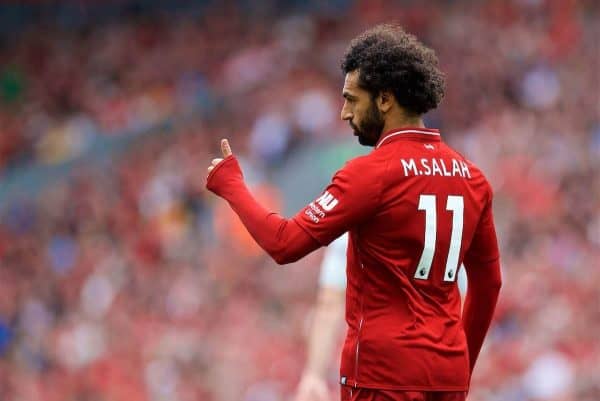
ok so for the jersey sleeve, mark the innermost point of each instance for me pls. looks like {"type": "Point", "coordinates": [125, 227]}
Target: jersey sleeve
{"type": "Point", "coordinates": [353, 195]}
{"type": "Point", "coordinates": [484, 281]}
{"type": "Point", "coordinates": [484, 247]}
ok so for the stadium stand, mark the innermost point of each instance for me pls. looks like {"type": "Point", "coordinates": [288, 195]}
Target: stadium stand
{"type": "Point", "coordinates": [121, 279]}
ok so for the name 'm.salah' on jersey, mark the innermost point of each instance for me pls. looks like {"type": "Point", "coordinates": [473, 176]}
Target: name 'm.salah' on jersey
{"type": "Point", "coordinates": [415, 209]}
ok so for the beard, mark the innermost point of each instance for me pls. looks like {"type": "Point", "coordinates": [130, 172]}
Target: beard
{"type": "Point", "coordinates": [369, 129]}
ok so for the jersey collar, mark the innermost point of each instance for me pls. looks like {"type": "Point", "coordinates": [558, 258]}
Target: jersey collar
{"type": "Point", "coordinates": [428, 134]}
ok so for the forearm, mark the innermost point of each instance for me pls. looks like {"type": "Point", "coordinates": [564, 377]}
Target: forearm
{"type": "Point", "coordinates": [327, 320]}
{"type": "Point", "coordinates": [283, 239]}
{"type": "Point", "coordinates": [484, 284]}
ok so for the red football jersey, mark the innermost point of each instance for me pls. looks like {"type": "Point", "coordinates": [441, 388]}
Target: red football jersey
{"type": "Point", "coordinates": [415, 209]}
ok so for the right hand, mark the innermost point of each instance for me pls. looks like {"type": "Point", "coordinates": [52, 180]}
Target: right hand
{"type": "Point", "coordinates": [312, 388]}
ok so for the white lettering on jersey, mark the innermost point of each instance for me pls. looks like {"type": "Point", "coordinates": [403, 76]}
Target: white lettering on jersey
{"type": "Point", "coordinates": [312, 216]}
{"type": "Point", "coordinates": [327, 201]}
{"type": "Point", "coordinates": [436, 168]}
{"type": "Point", "coordinates": [446, 172]}
{"type": "Point", "coordinates": [410, 166]}
{"type": "Point", "coordinates": [425, 165]}
{"type": "Point", "coordinates": [465, 169]}
{"type": "Point", "coordinates": [456, 168]}
{"type": "Point", "coordinates": [433, 167]}
{"type": "Point", "coordinates": [316, 209]}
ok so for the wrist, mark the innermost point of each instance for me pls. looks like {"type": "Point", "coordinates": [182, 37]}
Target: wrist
{"type": "Point", "coordinates": [225, 177]}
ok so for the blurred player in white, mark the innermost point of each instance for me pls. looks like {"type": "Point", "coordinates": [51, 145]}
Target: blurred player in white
{"type": "Point", "coordinates": [327, 323]}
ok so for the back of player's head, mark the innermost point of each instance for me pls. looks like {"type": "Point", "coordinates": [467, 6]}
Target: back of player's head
{"type": "Point", "coordinates": [389, 59]}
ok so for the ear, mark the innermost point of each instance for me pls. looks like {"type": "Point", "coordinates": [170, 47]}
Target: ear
{"type": "Point", "coordinates": [385, 101]}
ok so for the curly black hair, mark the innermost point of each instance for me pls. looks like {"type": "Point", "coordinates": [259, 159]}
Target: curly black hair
{"type": "Point", "coordinates": [389, 59]}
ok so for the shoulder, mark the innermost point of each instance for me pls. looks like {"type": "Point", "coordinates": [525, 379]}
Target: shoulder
{"type": "Point", "coordinates": [367, 166]}
{"type": "Point", "coordinates": [363, 174]}
{"type": "Point", "coordinates": [368, 170]}
{"type": "Point", "coordinates": [359, 162]}
{"type": "Point", "coordinates": [480, 182]}
{"type": "Point", "coordinates": [478, 179]}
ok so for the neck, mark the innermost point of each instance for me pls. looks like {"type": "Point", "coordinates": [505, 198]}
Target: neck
{"type": "Point", "coordinates": [398, 122]}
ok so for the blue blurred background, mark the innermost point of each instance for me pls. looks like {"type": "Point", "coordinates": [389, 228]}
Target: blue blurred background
{"type": "Point", "coordinates": [121, 278]}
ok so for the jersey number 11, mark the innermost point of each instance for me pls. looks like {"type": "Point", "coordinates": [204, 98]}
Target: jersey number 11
{"type": "Point", "coordinates": [455, 204]}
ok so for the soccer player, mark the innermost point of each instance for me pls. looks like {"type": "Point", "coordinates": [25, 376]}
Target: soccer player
{"type": "Point", "coordinates": [415, 209]}
{"type": "Point", "coordinates": [325, 325]}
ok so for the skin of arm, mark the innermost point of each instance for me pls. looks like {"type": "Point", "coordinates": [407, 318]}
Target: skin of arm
{"type": "Point", "coordinates": [326, 324]}
{"type": "Point", "coordinates": [325, 329]}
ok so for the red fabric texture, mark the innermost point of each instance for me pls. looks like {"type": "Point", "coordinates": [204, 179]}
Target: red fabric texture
{"type": "Point", "coordinates": [367, 394]}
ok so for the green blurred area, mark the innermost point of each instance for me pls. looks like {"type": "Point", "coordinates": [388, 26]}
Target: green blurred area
{"type": "Point", "coordinates": [12, 85]}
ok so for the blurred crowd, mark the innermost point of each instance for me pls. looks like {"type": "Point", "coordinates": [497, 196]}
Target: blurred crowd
{"type": "Point", "coordinates": [128, 281]}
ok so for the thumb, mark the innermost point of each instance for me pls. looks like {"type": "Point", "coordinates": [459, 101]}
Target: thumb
{"type": "Point", "coordinates": [225, 148]}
